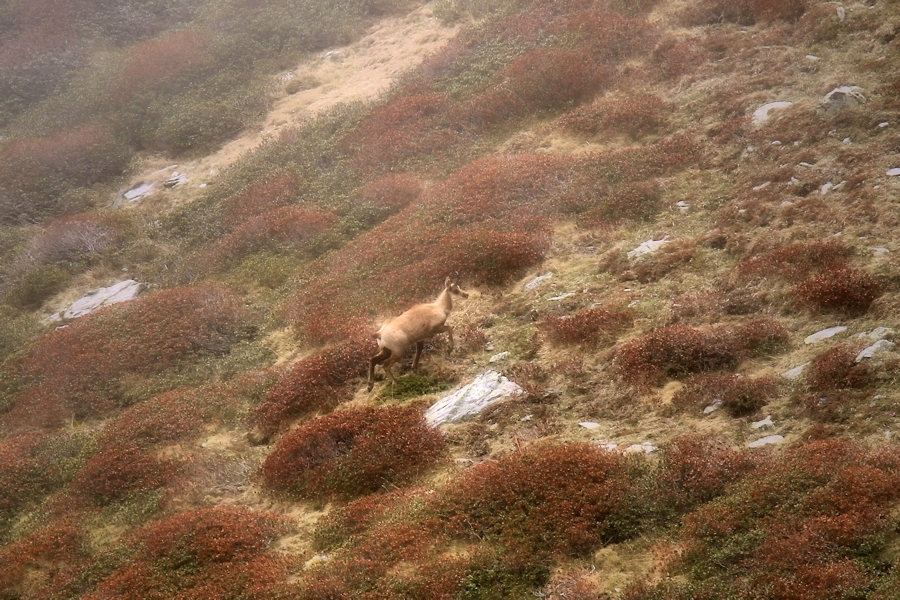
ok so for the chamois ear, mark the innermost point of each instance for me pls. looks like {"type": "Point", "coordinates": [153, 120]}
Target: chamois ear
{"type": "Point", "coordinates": [448, 282]}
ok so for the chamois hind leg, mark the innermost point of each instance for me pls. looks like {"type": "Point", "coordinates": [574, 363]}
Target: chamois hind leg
{"type": "Point", "coordinates": [383, 355]}
{"type": "Point", "coordinates": [419, 345]}
{"type": "Point", "coordinates": [387, 368]}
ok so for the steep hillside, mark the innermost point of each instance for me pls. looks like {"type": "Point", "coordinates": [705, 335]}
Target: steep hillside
{"type": "Point", "coordinates": [675, 223]}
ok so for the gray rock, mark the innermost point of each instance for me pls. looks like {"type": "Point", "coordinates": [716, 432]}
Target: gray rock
{"type": "Point", "coordinates": [876, 348]}
{"type": "Point", "coordinates": [716, 405]}
{"type": "Point", "coordinates": [766, 441]}
{"type": "Point", "coordinates": [767, 422]}
{"type": "Point", "coordinates": [114, 294]}
{"type": "Point", "coordinates": [796, 372]}
{"type": "Point", "coordinates": [643, 447]}
{"type": "Point", "coordinates": [879, 333]}
{"type": "Point", "coordinates": [561, 297]}
{"type": "Point", "coordinates": [488, 388]}
{"type": "Point", "coordinates": [498, 357]}
{"type": "Point", "coordinates": [536, 282]}
{"type": "Point", "coordinates": [175, 180]}
{"type": "Point", "coordinates": [824, 334]}
{"type": "Point", "coordinates": [647, 247]}
{"type": "Point", "coordinates": [761, 114]}
{"type": "Point", "coordinates": [845, 96]}
{"type": "Point", "coordinates": [893, 172]}
{"type": "Point", "coordinates": [589, 425]}
{"type": "Point", "coordinates": [139, 193]}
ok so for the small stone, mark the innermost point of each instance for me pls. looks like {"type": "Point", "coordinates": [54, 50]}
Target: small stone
{"type": "Point", "coordinates": [761, 114]}
{"type": "Point", "coordinates": [175, 180]}
{"type": "Point", "coordinates": [824, 334]}
{"type": "Point", "coordinates": [762, 186]}
{"type": "Point", "coordinates": [643, 447]}
{"type": "Point", "coordinates": [879, 333]}
{"type": "Point", "coordinates": [498, 357]}
{"type": "Point", "coordinates": [795, 372]}
{"type": "Point", "coordinates": [812, 57]}
{"type": "Point", "coordinates": [716, 405]}
{"type": "Point", "coordinates": [776, 143]}
{"type": "Point", "coordinates": [841, 13]}
{"type": "Point", "coordinates": [608, 446]}
{"type": "Point", "coordinates": [647, 247]}
{"type": "Point", "coordinates": [561, 297]}
{"type": "Point", "coordinates": [589, 425]}
{"type": "Point", "coordinates": [806, 164]}
{"type": "Point", "coordinates": [767, 422]}
{"type": "Point", "coordinates": [826, 188]}
{"type": "Point", "coordinates": [683, 206]}
{"type": "Point", "coordinates": [876, 348]}
{"type": "Point", "coordinates": [883, 124]}
{"type": "Point", "coordinates": [879, 252]}
{"type": "Point", "coordinates": [526, 418]}
{"type": "Point", "coordinates": [769, 439]}
{"type": "Point", "coordinates": [893, 172]}
{"type": "Point", "coordinates": [537, 282]}
{"type": "Point", "coordinates": [847, 140]}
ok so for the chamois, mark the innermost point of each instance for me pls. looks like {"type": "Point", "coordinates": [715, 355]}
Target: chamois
{"type": "Point", "coordinates": [420, 322]}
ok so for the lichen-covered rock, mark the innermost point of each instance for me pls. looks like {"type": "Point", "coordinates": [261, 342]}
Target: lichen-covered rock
{"type": "Point", "coordinates": [488, 388]}
{"type": "Point", "coordinates": [845, 96]}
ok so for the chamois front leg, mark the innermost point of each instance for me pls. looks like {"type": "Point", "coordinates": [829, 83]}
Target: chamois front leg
{"type": "Point", "coordinates": [419, 345]}
{"type": "Point", "coordinates": [449, 331]}
{"type": "Point", "coordinates": [383, 355]}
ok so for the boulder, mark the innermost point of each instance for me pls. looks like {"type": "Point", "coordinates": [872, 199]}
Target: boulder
{"type": "Point", "coordinates": [487, 389]}
{"type": "Point", "coordinates": [647, 247]}
{"type": "Point", "coordinates": [876, 348]}
{"type": "Point", "coordinates": [845, 96]}
{"type": "Point", "coordinates": [824, 334]}
{"type": "Point", "coordinates": [766, 441]}
{"type": "Point", "coordinates": [761, 114]}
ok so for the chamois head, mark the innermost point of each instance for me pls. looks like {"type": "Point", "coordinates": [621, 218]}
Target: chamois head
{"type": "Point", "coordinates": [451, 284]}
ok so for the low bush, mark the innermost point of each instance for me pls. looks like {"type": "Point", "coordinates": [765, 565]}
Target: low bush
{"type": "Point", "coordinates": [744, 12]}
{"type": "Point", "coordinates": [36, 172]}
{"type": "Point", "coordinates": [587, 327]}
{"type": "Point", "coordinates": [352, 452]}
{"type": "Point", "coordinates": [677, 350]}
{"type": "Point", "coordinates": [739, 395]}
{"type": "Point", "coordinates": [807, 524]}
{"type": "Point", "coordinates": [122, 471]}
{"type": "Point", "coordinates": [557, 499]}
{"type": "Point", "coordinates": [359, 516]}
{"type": "Point", "coordinates": [81, 368]}
{"type": "Point", "coordinates": [318, 382]}
{"type": "Point", "coordinates": [796, 260]}
{"type": "Point", "coordinates": [833, 379]}
{"type": "Point", "coordinates": [840, 289]}
{"type": "Point", "coordinates": [596, 204]}
{"type": "Point", "coordinates": [634, 116]}
{"type": "Point", "coordinates": [291, 227]}
{"type": "Point", "coordinates": [41, 565]}
{"type": "Point", "coordinates": [221, 552]}
{"type": "Point", "coordinates": [167, 418]}
{"type": "Point", "coordinates": [696, 469]}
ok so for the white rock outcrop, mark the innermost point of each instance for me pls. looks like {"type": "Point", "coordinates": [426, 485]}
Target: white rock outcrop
{"type": "Point", "coordinates": [487, 389]}
{"type": "Point", "coordinates": [114, 294]}
{"type": "Point", "coordinates": [824, 334]}
{"type": "Point", "coordinates": [647, 247]}
{"type": "Point", "coordinates": [876, 348]}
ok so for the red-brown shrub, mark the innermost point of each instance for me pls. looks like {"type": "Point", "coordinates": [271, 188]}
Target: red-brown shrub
{"type": "Point", "coordinates": [18, 465]}
{"type": "Point", "coordinates": [840, 289]}
{"type": "Point", "coordinates": [81, 367]}
{"type": "Point", "coordinates": [41, 564]}
{"type": "Point", "coordinates": [837, 369]}
{"type": "Point", "coordinates": [677, 350]}
{"type": "Point", "coordinates": [76, 238]}
{"type": "Point", "coordinates": [220, 552]}
{"type": "Point", "coordinates": [157, 63]}
{"type": "Point", "coordinates": [121, 471]}
{"type": "Point", "coordinates": [290, 226]}
{"type": "Point", "coordinates": [634, 116]}
{"type": "Point", "coordinates": [744, 12]}
{"type": "Point", "coordinates": [589, 327]}
{"type": "Point", "coordinates": [358, 516]}
{"type": "Point", "coordinates": [34, 171]}
{"type": "Point", "coordinates": [556, 498]}
{"type": "Point", "coordinates": [675, 56]}
{"type": "Point", "coordinates": [739, 395]}
{"type": "Point", "coordinates": [318, 382]}
{"type": "Point", "coordinates": [353, 452]}
{"type": "Point", "coordinates": [797, 525]}
{"type": "Point", "coordinates": [167, 418]}
{"type": "Point", "coordinates": [796, 260]}
{"type": "Point", "coordinates": [260, 197]}
{"type": "Point", "coordinates": [696, 469]}
{"type": "Point", "coordinates": [392, 192]}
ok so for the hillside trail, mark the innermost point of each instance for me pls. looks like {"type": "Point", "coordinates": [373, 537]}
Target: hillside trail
{"type": "Point", "coordinates": [357, 72]}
